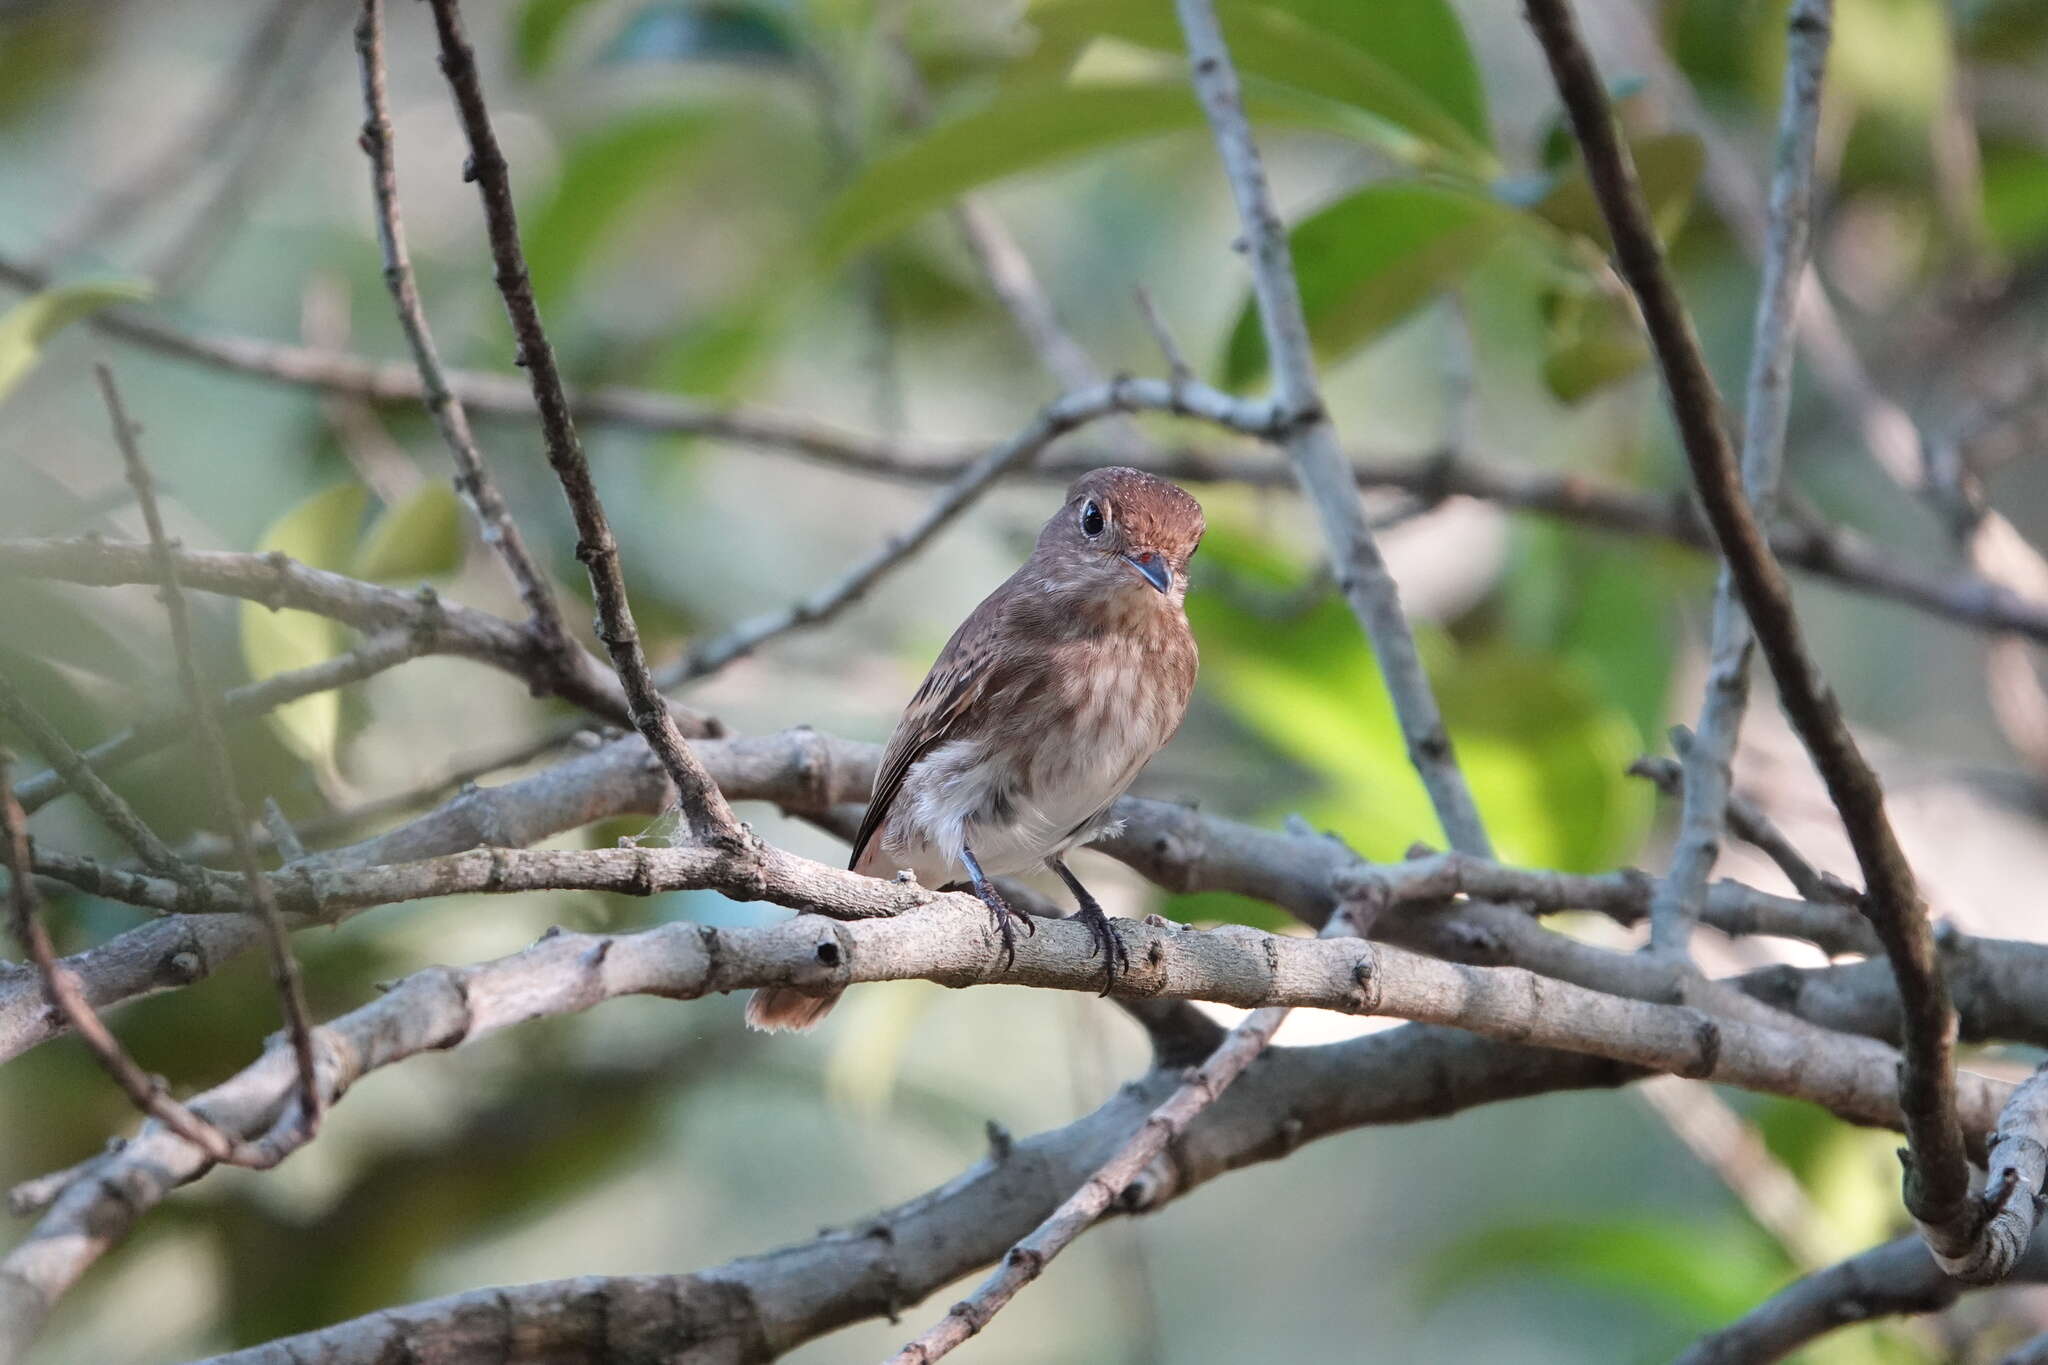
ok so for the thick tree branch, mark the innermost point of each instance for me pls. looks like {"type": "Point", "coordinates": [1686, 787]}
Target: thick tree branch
{"type": "Point", "coordinates": [1937, 1185]}
{"type": "Point", "coordinates": [945, 937]}
{"type": "Point", "coordinates": [472, 478]}
{"type": "Point", "coordinates": [1767, 404]}
{"type": "Point", "coordinates": [1311, 439]}
{"type": "Point", "coordinates": [213, 747]}
{"type": "Point", "coordinates": [703, 808]}
{"type": "Point", "coordinates": [2013, 1195]}
{"type": "Point", "coordinates": [761, 1306]}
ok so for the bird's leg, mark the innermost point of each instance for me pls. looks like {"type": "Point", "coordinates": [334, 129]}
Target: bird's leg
{"type": "Point", "coordinates": [997, 906]}
{"type": "Point", "coordinates": [1116, 959]}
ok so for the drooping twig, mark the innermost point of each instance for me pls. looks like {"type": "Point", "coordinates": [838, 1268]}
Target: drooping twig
{"type": "Point", "coordinates": [1734, 1151]}
{"type": "Point", "coordinates": [1311, 440]}
{"type": "Point", "coordinates": [1027, 1259]}
{"type": "Point", "coordinates": [73, 770]}
{"type": "Point", "coordinates": [708, 816]}
{"type": "Point", "coordinates": [284, 968]}
{"type": "Point", "coordinates": [145, 1091]}
{"type": "Point", "coordinates": [385, 650]}
{"type": "Point", "coordinates": [472, 478]}
{"type": "Point", "coordinates": [1767, 404]}
{"type": "Point", "coordinates": [1937, 1185]}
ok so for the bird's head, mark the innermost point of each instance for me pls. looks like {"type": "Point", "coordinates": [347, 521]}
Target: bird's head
{"type": "Point", "coordinates": [1121, 532]}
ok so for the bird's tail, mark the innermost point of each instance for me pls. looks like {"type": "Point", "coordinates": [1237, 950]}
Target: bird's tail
{"type": "Point", "coordinates": [780, 1009]}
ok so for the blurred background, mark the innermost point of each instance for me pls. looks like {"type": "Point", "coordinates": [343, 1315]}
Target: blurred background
{"type": "Point", "coordinates": [747, 202]}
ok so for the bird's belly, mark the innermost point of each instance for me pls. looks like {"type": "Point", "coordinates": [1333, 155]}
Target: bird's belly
{"type": "Point", "coordinates": [1014, 815]}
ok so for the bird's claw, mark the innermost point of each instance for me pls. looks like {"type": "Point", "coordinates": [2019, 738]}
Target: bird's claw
{"type": "Point", "coordinates": [1002, 913]}
{"type": "Point", "coordinates": [1108, 944]}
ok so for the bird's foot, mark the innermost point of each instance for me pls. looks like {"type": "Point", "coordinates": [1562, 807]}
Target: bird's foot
{"type": "Point", "coordinates": [1116, 959]}
{"type": "Point", "coordinates": [1003, 913]}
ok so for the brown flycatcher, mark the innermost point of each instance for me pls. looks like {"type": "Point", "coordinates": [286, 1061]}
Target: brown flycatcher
{"type": "Point", "coordinates": [1040, 710]}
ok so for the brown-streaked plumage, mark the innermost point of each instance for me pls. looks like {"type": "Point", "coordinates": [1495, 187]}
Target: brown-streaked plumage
{"type": "Point", "coordinates": [1040, 711]}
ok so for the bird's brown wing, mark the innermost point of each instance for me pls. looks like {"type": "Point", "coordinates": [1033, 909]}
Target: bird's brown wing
{"type": "Point", "coordinates": [946, 697]}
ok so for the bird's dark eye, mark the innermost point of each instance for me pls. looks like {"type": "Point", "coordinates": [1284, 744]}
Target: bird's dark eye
{"type": "Point", "coordinates": [1091, 519]}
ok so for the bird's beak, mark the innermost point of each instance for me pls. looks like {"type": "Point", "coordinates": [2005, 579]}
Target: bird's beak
{"type": "Point", "coordinates": [1154, 567]}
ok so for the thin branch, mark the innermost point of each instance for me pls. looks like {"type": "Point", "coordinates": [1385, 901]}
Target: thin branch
{"type": "Point", "coordinates": [1767, 404]}
{"type": "Point", "coordinates": [1937, 1185]}
{"type": "Point", "coordinates": [278, 581]}
{"type": "Point", "coordinates": [1311, 440]}
{"type": "Point", "coordinates": [385, 650]}
{"type": "Point", "coordinates": [1726, 1144]}
{"type": "Point", "coordinates": [708, 816]}
{"type": "Point", "coordinates": [1027, 1260]}
{"type": "Point", "coordinates": [1753, 827]}
{"type": "Point", "coordinates": [75, 771]}
{"type": "Point", "coordinates": [1060, 417]}
{"type": "Point", "coordinates": [1832, 553]}
{"type": "Point", "coordinates": [284, 968]}
{"type": "Point", "coordinates": [472, 478]}
{"type": "Point", "coordinates": [1896, 1278]}
{"type": "Point", "coordinates": [145, 1091]}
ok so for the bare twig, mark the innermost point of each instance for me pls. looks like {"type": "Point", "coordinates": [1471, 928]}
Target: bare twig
{"type": "Point", "coordinates": [1311, 439]}
{"type": "Point", "coordinates": [1755, 828]}
{"type": "Point", "coordinates": [385, 650]}
{"type": "Point", "coordinates": [73, 769]}
{"type": "Point", "coordinates": [145, 1091]}
{"type": "Point", "coordinates": [284, 968]}
{"type": "Point", "coordinates": [1767, 404]}
{"type": "Point", "coordinates": [1937, 1185]}
{"type": "Point", "coordinates": [1027, 1260]}
{"type": "Point", "coordinates": [1056, 420]}
{"type": "Point", "coordinates": [1728, 1146]}
{"type": "Point", "coordinates": [278, 581]}
{"type": "Point", "coordinates": [471, 477]}
{"type": "Point", "coordinates": [708, 816]}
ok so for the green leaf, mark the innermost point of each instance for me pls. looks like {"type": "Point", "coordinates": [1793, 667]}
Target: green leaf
{"type": "Point", "coordinates": [321, 532]}
{"type": "Point", "coordinates": [1668, 164]}
{"type": "Point", "coordinates": [1370, 259]}
{"type": "Point", "coordinates": [32, 322]}
{"type": "Point", "coordinates": [541, 26]}
{"type": "Point", "coordinates": [419, 538]}
{"type": "Point", "coordinates": [1592, 338]}
{"type": "Point", "coordinates": [705, 30]}
{"type": "Point", "coordinates": [1388, 67]}
{"type": "Point", "coordinates": [1702, 1274]}
{"type": "Point", "coordinates": [1031, 126]}
{"type": "Point", "coordinates": [1542, 745]}
{"type": "Point", "coordinates": [604, 176]}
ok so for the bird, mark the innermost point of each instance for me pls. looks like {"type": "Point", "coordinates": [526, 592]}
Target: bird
{"type": "Point", "coordinates": [1038, 714]}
